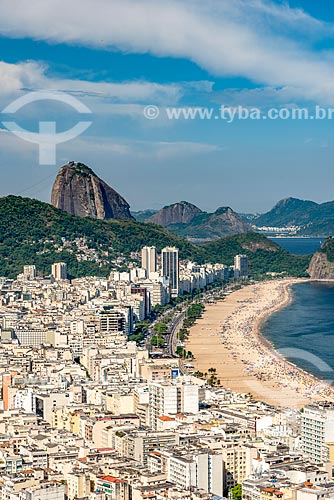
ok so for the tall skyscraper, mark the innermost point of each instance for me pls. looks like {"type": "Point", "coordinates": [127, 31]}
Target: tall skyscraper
{"type": "Point", "coordinates": [59, 271]}
{"type": "Point", "coordinates": [149, 260]}
{"type": "Point", "coordinates": [170, 268]}
{"type": "Point", "coordinates": [241, 266]}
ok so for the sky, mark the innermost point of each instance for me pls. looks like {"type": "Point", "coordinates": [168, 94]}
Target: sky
{"type": "Point", "coordinates": [123, 66]}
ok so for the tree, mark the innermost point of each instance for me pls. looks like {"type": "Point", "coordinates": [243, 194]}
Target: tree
{"type": "Point", "coordinates": [142, 326]}
{"type": "Point", "coordinates": [180, 351]}
{"type": "Point", "coordinates": [160, 328]}
{"type": "Point", "coordinates": [237, 492]}
{"type": "Point", "coordinates": [157, 341]}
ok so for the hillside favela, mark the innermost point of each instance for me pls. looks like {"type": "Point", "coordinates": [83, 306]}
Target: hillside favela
{"type": "Point", "coordinates": [166, 250]}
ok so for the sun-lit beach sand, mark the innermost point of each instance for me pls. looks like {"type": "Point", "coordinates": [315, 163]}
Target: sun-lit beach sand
{"type": "Point", "coordinates": [228, 338]}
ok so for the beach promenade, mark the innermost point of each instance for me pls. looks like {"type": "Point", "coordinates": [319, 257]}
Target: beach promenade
{"type": "Point", "coordinates": [228, 338]}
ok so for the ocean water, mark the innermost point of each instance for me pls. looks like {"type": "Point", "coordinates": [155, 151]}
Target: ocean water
{"type": "Point", "coordinates": [302, 246]}
{"type": "Point", "coordinates": [304, 330]}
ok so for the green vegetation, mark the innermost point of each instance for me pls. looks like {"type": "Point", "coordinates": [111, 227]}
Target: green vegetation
{"type": "Point", "coordinates": [203, 226]}
{"type": "Point", "coordinates": [158, 309]}
{"type": "Point", "coordinates": [292, 211]}
{"type": "Point", "coordinates": [237, 492]}
{"type": "Point", "coordinates": [321, 228]}
{"type": "Point", "coordinates": [33, 232]}
{"type": "Point", "coordinates": [328, 248]}
{"type": "Point", "coordinates": [182, 353]}
{"type": "Point", "coordinates": [213, 380]}
{"type": "Point", "coordinates": [157, 340]}
{"type": "Point", "coordinates": [264, 255]}
{"type": "Point", "coordinates": [210, 377]}
{"type": "Point", "coordinates": [38, 233]}
{"type": "Point", "coordinates": [314, 219]}
{"type": "Point", "coordinates": [140, 331]}
{"type": "Point", "coordinates": [194, 312]}
{"type": "Point", "coordinates": [160, 328]}
{"type": "Point", "coordinates": [183, 334]}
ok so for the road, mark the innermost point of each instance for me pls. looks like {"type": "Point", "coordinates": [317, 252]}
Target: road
{"type": "Point", "coordinates": [175, 326]}
{"type": "Point", "coordinates": [169, 349]}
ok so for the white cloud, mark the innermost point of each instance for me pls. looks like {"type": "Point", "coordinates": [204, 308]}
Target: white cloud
{"type": "Point", "coordinates": [279, 16]}
{"type": "Point", "coordinates": [15, 77]}
{"type": "Point", "coordinates": [106, 145]}
{"type": "Point", "coordinates": [32, 76]}
{"type": "Point", "coordinates": [253, 39]}
{"type": "Point", "coordinates": [140, 148]}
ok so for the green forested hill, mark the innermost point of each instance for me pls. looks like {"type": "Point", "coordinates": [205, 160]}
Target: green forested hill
{"type": "Point", "coordinates": [33, 232]}
{"type": "Point", "coordinates": [264, 255]}
{"type": "Point", "coordinates": [313, 218]}
{"type": "Point", "coordinates": [328, 249]}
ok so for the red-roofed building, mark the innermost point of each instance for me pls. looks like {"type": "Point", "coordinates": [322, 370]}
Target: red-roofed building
{"type": "Point", "coordinates": [165, 422]}
{"type": "Point", "coordinates": [115, 487]}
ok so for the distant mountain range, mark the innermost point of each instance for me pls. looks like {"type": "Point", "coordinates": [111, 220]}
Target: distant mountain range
{"type": "Point", "coordinates": [187, 220]}
{"type": "Point", "coordinates": [311, 217]}
{"type": "Point", "coordinates": [308, 217]}
{"type": "Point", "coordinates": [143, 215]}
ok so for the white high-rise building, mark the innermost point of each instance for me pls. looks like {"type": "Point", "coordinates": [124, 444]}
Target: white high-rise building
{"type": "Point", "coordinates": [149, 260]}
{"type": "Point", "coordinates": [59, 271]}
{"type": "Point", "coordinates": [202, 469]}
{"type": "Point", "coordinates": [317, 430]}
{"type": "Point", "coordinates": [241, 266]}
{"type": "Point", "coordinates": [168, 398]}
{"type": "Point", "coordinates": [170, 268]}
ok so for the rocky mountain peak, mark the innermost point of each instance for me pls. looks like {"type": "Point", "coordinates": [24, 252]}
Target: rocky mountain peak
{"type": "Point", "coordinates": [79, 191]}
{"type": "Point", "coordinates": [182, 212]}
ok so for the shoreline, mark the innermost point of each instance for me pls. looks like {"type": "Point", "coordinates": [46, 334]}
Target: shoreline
{"type": "Point", "coordinates": [245, 360]}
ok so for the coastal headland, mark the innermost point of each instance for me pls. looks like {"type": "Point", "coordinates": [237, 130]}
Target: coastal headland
{"type": "Point", "coordinates": [228, 338]}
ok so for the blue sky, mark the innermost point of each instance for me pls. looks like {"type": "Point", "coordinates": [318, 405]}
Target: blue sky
{"type": "Point", "coordinates": [128, 54]}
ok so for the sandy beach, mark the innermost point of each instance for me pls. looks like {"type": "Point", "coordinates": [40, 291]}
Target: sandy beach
{"type": "Point", "coordinates": [228, 338]}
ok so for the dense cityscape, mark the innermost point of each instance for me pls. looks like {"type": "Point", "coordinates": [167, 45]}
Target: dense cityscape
{"type": "Point", "coordinates": [166, 250]}
{"type": "Point", "coordinates": [89, 413]}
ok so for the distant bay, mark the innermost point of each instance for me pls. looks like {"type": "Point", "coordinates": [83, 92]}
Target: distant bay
{"type": "Point", "coordinates": [304, 330]}
{"type": "Point", "coordinates": [300, 246]}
